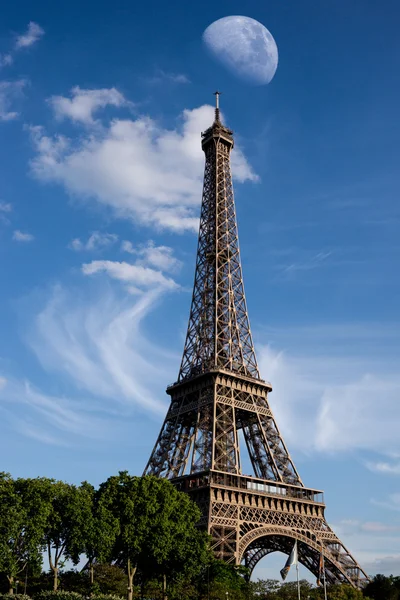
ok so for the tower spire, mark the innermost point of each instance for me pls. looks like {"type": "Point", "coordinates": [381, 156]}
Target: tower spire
{"type": "Point", "coordinates": [218, 333]}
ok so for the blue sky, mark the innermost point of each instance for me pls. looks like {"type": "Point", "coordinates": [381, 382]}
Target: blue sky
{"type": "Point", "coordinates": [101, 109]}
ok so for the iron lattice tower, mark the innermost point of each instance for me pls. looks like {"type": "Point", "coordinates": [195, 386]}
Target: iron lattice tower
{"type": "Point", "coordinates": [219, 395]}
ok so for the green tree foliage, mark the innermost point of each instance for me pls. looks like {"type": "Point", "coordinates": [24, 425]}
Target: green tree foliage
{"type": "Point", "coordinates": [383, 588]}
{"type": "Point", "coordinates": [265, 588]}
{"type": "Point", "coordinates": [139, 525]}
{"type": "Point", "coordinates": [58, 595]}
{"type": "Point", "coordinates": [156, 526]}
{"type": "Point", "coordinates": [272, 589]}
{"type": "Point", "coordinates": [339, 592]}
{"type": "Point", "coordinates": [288, 591]}
{"type": "Point", "coordinates": [95, 530]}
{"type": "Point", "coordinates": [24, 512]}
{"type": "Point", "coordinates": [220, 577]}
{"type": "Point", "coordinates": [110, 579]}
{"type": "Point", "coordinates": [66, 525]}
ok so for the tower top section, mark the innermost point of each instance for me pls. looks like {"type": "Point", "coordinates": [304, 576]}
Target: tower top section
{"type": "Point", "coordinates": [217, 131]}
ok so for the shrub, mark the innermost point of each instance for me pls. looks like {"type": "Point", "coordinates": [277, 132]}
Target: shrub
{"type": "Point", "coordinates": [15, 597]}
{"type": "Point", "coordinates": [58, 595]}
{"type": "Point", "coordinates": [109, 580]}
{"type": "Point", "coordinates": [107, 597]}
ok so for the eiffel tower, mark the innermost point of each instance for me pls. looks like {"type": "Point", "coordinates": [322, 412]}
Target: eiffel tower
{"type": "Point", "coordinates": [220, 396]}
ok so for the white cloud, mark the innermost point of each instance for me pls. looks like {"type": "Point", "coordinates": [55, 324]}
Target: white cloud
{"type": "Point", "coordinates": [376, 527]}
{"type": "Point", "coordinates": [96, 241]}
{"type": "Point", "coordinates": [332, 397]}
{"type": "Point", "coordinates": [9, 92]}
{"type": "Point", "coordinates": [146, 273]}
{"type": "Point", "coordinates": [5, 207]}
{"type": "Point", "coordinates": [351, 417]}
{"type": "Point", "coordinates": [140, 170]}
{"type": "Point", "coordinates": [136, 275]}
{"type": "Point", "coordinates": [374, 544]}
{"type": "Point", "coordinates": [392, 502]}
{"type": "Point", "coordinates": [32, 35]}
{"type": "Point", "coordinates": [19, 236]}
{"type": "Point", "coordinates": [128, 247]}
{"type": "Point", "coordinates": [164, 76]}
{"type": "Point", "coordinates": [385, 468]}
{"type": "Point", "coordinates": [84, 103]}
{"type": "Point", "coordinates": [160, 257]}
{"type": "Point", "coordinates": [5, 60]}
{"type": "Point", "coordinates": [385, 565]}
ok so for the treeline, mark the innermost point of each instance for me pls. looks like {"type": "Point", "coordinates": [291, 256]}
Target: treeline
{"type": "Point", "coordinates": [133, 536]}
{"type": "Point", "coordinates": [141, 524]}
{"type": "Point", "coordinates": [379, 588]}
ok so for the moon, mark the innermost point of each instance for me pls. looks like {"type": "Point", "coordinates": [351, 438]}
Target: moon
{"type": "Point", "coordinates": [244, 46]}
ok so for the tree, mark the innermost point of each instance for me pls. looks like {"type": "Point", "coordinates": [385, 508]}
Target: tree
{"type": "Point", "coordinates": [338, 592]}
{"type": "Point", "coordinates": [66, 525]}
{"type": "Point", "coordinates": [265, 588]}
{"type": "Point", "coordinates": [218, 577]}
{"type": "Point", "coordinates": [109, 579]}
{"type": "Point", "coordinates": [156, 526]}
{"type": "Point", "coordinates": [23, 515]}
{"type": "Point", "coordinates": [383, 588]}
{"type": "Point", "coordinates": [95, 534]}
{"type": "Point", "coordinates": [288, 591]}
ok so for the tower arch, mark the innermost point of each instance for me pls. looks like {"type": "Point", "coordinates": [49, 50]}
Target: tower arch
{"type": "Point", "coordinates": [260, 542]}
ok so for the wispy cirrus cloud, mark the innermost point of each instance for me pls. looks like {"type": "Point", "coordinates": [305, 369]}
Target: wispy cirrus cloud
{"type": "Point", "coordinates": [99, 347]}
{"type": "Point", "coordinates": [142, 171]}
{"type": "Point", "coordinates": [168, 77]}
{"type": "Point", "coordinates": [392, 502]}
{"type": "Point", "coordinates": [58, 413]}
{"type": "Point", "coordinates": [386, 468]}
{"type": "Point", "coordinates": [92, 346]}
{"type": "Point", "coordinates": [312, 262]}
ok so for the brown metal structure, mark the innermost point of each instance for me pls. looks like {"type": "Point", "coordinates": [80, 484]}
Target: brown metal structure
{"type": "Point", "coordinates": [220, 396]}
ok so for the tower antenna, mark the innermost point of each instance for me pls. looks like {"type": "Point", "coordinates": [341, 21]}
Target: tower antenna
{"type": "Point", "coordinates": [217, 95]}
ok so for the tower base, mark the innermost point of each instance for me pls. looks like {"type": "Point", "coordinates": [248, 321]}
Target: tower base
{"type": "Point", "coordinates": [248, 518]}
